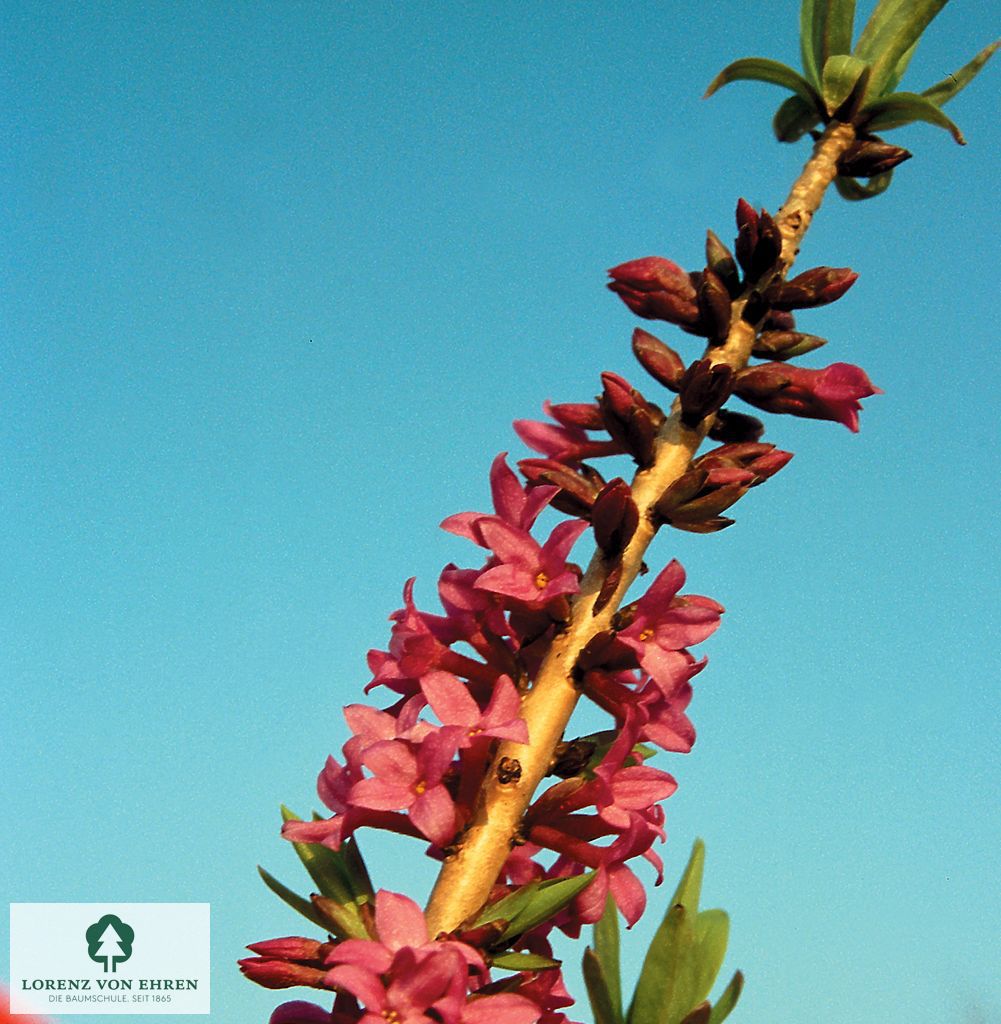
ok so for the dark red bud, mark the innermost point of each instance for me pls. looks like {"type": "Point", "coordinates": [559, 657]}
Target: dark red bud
{"type": "Point", "coordinates": [577, 489]}
{"type": "Point", "coordinates": [735, 427]}
{"type": "Point", "coordinates": [714, 307]}
{"type": "Point", "coordinates": [293, 947]}
{"type": "Point", "coordinates": [662, 363]}
{"type": "Point", "coordinates": [816, 287]}
{"type": "Point", "coordinates": [704, 388]}
{"type": "Point", "coordinates": [631, 420]}
{"type": "Point", "coordinates": [615, 518]}
{"type": "Point", "coordinates": [655, 289]}
{"type": "Point", "coordinates": [578, 414]}
{"type": "Point", "coordinates": [778, 320]}
{"type": "Point", "coordinates": [747, 234]}
{"type": "Point", "coordinates": [755, 309]}
{"type": "Point", "coordinates": [867, 157]}
{"type": "Point", "coordinates": [281, 973]}
{"type": "Point", "coordinates": [768, 248]}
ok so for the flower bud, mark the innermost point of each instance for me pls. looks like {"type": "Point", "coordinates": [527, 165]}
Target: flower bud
{"type": "Point", "coordinates": [655, 289]}
{"type": "Point", "coordinates": [747, 233]}
{"type": "Point", "coordinates": [735, 427]}
{"type": "Point", "coordinates": [281, 973]}
{"type": "Point", "coordinates": [614, 518]}
{"type": "Point", "coordinates": [699, 495]}
{"type": "Point", "coordinates": [761, 460]}
{"type": "Point", "coordinates": [704, 388]}
{"type": "Point", "coordinates": [292, 948]}
{"type": "Point", "coordinates": [720, 261]}
{"type": "Point", "coordinates": [868, 157]}
{"type": "Point", "coordinates": [662, 363]}
{"type": "Point", "coordinates": [815, 287]}
{"type": "Point", "coordinates": [829, 394]}
{"type": "Point", "coordinates": [779, 320]}
{"type": "Point", "coordinates": [714, 307]}
{"type": "Point", "coordinates": [579, 486]}
{"type": "Point", "coordinates": [631, 420]}
{"type": "Point", "coordinates": [767, 249]}
{"type": "Point", "coordinates": [782, 345]}
{"type": "Point", "coordinates": [586, 415]}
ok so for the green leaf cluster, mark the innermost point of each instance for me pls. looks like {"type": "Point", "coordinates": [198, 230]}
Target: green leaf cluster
{"type": "Point", "coordinates": [680, 967]}
{"type": "Point", "coordinates": [342, 882]}
{"type": "Point", "coordinates": [856, 85]}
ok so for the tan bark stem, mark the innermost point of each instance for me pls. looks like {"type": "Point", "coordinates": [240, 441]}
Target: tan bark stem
{"type": "Point", "coordinates": [469, 873]}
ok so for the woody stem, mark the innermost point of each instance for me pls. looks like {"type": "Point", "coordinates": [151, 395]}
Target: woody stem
{"type": "Point", "coordinates": [471, 870]}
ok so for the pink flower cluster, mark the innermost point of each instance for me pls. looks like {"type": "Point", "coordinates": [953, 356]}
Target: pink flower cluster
{"type": "Point", "coordinates": [416, 766]}
{"type": "Point", "coordinates": [404, 772]}
{"type": "Point", "coordinates": [401, 976]}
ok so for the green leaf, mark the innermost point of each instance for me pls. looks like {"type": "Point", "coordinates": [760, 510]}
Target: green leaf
{"type": "Point", "coordinates": [661, 995]}
{"type": "Point", "coordinates": [808, 16]}
{"type": "Point", "coordinates": [904, 108]}
{"type": "Point", "coordinates": [296, 902]}
{"type": "Point", "coordinates": [599, 992]}
{"type": "Point", "coordinates": [760, 69]}
{"type": "Point", "coordinates": [728, 1000]}
{"type": "Point", "coordinates": [854, 190]}
{"type": "Point", "coordinates": [893, 29]}
{"type": "Point", "coordinates": [546, 899]}
{"type": "Point", "coordinates": [942, 92]}
{"type": "Point", "coordinates": [841, 73]}
{"type": "Point", "coordinates": [712, 932]}
{"type": "Point", "coordinates": [357, 872]}
{"type": "Point", "coordinates": [690, 886]}
{"type": "Point", "coordinates": [898, 72]}
{"type": "Point", "coordinates": [825, 30]}
{"type": "Point", "coordinates": [606, 948]}
{"type": "Point", "coordinates": [523, 962]}
{"type": "Point", "coordinates": [794, 118]}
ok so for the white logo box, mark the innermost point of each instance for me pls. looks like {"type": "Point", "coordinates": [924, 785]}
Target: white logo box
{"type": "Point", "coordinates": [109, 958]}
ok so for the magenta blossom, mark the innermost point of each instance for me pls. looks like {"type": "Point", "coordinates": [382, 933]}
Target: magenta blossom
{"type": "Point", "coordinates": [663, 625]}
{"type": "Point", "coordinates": [399, 924]}
{"type": "Point", "coordinates": [529, 572]}
{"type": "Point", "coordinates": [452, 702]}
{"type": "Point", "coordinates": [833, 393]}
{"type": "Point", "coordinates": [412, 780]}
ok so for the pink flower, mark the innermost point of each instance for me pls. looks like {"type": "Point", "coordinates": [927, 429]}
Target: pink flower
{"type": "Point", "coordinates": [512, 503]}
{"type": "Point", "coordinates": [412, 781]}
{"type": "Point", "coordinates": [664, 625]}
{"type": "Point", "coordinates": [563, 440]}
{"type": "Point", "coordinates": [529, 572]}
{"type": "Point", "coordinates": [452, 702]}
{"type": "Point", "coordinates": [829, 394]}
{"type": "Point", "coordinates": [399, 924]}
{"type": "Point", "coordinates": [411, 991]}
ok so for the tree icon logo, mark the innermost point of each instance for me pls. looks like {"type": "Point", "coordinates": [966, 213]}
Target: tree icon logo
{"type": "Point", "coordinates": [109, 942]}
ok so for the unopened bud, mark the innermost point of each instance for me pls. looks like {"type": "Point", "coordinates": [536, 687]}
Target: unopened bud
{"type": "Point", "coordinates": [631, 420]}
{"type": "Point", "coordinates": [614, 517]}
{"type": "Point", "coordinates": [867, 157]}
{"type": "Point", "coordinates": [735, 427]}
{"type": "Point", "coordinates": [747, 233]}
{"type": "Point", "coordinates": [761, 460]}
{"type": "Point", "coordinates": [661, 362]}
{"type": "Point", "coordinates": [578, 487]}
{"type": "Point", "coordinates": [768, 248]}
{"type": "Point", "coordinates": [714, 307]}
{"type": "Point", "coordinates": [779, 320]}
{"type": "Point", "coordinates": [815, 287]}
{"type": "Point", "coordinates": [720, 261]}
{"type": "Point", "coordinates": [784, 345]}
{"type": "Point", "coordinates": [586, 415]}
{"type": "Point", "coordinates": [293, 947]}
{"type": "Point", "coordinates": [655, 289]}
{"type": "Point", "coordinates": [281, 973]}
{"type": "Point", "coordinates": [704, 389]}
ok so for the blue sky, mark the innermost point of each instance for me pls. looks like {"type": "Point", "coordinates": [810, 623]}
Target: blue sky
{"type": "Point", "coordinates": [276, 280]}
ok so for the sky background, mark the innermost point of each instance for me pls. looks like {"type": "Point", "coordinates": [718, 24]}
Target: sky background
{"type": "Point", "coordinates": [276, 279]}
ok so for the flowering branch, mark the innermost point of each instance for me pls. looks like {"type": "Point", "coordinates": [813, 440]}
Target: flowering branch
{"type": "Point", "coordinates": [484, 693]}
{"type": "Point", "coordinates": [469, 873]}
